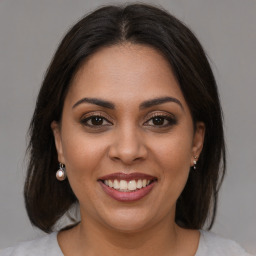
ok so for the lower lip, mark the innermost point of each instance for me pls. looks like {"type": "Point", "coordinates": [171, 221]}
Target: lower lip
{"type": "Point", "coordinates": [127, 196]}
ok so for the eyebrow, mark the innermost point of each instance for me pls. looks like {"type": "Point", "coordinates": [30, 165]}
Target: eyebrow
{"type": "Point", "coordinates": [158, 101]}
{"type": "Point", "coordinates": [95, 101]}
{"type": "Point", "coordinates": [143, 105]}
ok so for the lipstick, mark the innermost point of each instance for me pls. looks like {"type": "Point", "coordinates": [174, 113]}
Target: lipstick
{"type": "Point", "coordinates": [127, 187]}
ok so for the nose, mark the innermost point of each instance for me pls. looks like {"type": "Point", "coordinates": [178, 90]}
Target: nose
{"type": "Point", "coordinates": [128, 146]}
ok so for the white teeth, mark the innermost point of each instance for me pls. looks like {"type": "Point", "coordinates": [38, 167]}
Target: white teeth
{"type": "Point", "coordinates": [126, 186]}
{"type": "Point", "coordinates": [116, 184]}
{"type": "Point", "coordinates": [132, 185]}
{"type": "Point", "coordinates": [139, 184]}
{"type": "Point", "coordinates": [123, 184]}
{"type": "Point", "coordinates": [110, 183]}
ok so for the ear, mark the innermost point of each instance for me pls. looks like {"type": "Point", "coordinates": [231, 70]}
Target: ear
{"type": "Point", "coordinates": [198, 141]}
{"type": "Point", "coordinates": [58, 141]}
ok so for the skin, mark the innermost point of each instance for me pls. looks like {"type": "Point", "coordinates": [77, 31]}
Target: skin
{"type": "Point", "coordinates": [128, 140]}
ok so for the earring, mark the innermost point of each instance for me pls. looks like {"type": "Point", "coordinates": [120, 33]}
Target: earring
{"type": "Point", "coordinates": [61, 173]}
{"type": "Point", "coordinates": [195, 157]}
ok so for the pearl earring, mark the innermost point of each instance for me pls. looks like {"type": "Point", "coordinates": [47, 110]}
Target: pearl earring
{"type": "Point", "coordinates": [61, 173]}
{"type": "Point", "coordinates": [195, 157]}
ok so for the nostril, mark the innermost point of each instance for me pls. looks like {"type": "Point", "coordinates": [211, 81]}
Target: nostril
{"type": "Point", "coordinates": [127, 154]}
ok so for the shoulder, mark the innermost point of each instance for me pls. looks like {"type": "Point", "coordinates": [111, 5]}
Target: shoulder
{"type": "Point", "coordinates": [213, 245]}
{"type": "Point", "coordinates": [46, 245]}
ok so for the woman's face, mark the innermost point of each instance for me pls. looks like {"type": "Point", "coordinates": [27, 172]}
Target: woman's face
{"type": "Point", "coordinates": [126, 138]}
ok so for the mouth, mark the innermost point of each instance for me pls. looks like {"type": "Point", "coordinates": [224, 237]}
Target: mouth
{"type": "Point", "coordinates": [127, 187]}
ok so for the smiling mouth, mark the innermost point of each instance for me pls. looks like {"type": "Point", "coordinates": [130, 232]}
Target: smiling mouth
{"type": "Point", "coordinates": [127, 187]}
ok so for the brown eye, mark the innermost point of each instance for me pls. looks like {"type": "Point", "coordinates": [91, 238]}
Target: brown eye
{"type": "Point", "coordinates": [161, 121]}
{"type": "Point", "coordinates": [94, 121]}
{"type": "Point", "coordinates": [158, 120]}
{"type": "Point", "coordinates": [97, 120]}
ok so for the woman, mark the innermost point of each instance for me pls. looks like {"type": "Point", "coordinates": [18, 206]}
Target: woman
{"type": "Point", "coordinates": [128, 124]}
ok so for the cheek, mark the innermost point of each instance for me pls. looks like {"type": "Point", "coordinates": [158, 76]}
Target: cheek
{"type": "Point", "coordinates": [174, 157]}
{"type": "Point", "coordinates": [83, 157]}
{"type": "Point", "coordinates": [175, 152]}
{"type": "Point", "coordinates": [82, 153]}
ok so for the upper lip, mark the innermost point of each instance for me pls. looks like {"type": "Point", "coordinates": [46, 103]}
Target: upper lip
{"type": "Point", "coordinates": [127, 176]}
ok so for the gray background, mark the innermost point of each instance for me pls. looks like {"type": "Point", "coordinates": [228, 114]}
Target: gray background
{"type": "Point", "coordinates": [29, 34]}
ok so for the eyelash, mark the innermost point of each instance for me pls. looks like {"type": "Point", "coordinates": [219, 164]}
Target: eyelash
{"type": "Point", "coordinates": [85, 121]}
{"type": "Point", "coordinates": [171, 120]}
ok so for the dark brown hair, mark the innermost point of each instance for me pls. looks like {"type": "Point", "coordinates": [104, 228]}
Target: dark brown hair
{"type": "Point", "coordinates": [48, 199]}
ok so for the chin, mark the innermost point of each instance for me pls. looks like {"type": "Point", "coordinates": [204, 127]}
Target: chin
{"type": "Point", "coordinates": [128, 221]}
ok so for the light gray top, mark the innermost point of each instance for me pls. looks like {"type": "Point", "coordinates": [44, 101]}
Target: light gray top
{"type": "Point", "coordinates": [209, 245]}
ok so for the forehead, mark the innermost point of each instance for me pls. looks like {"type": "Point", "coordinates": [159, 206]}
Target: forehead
{"type": "Point", "coordinates": [125, 73]}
